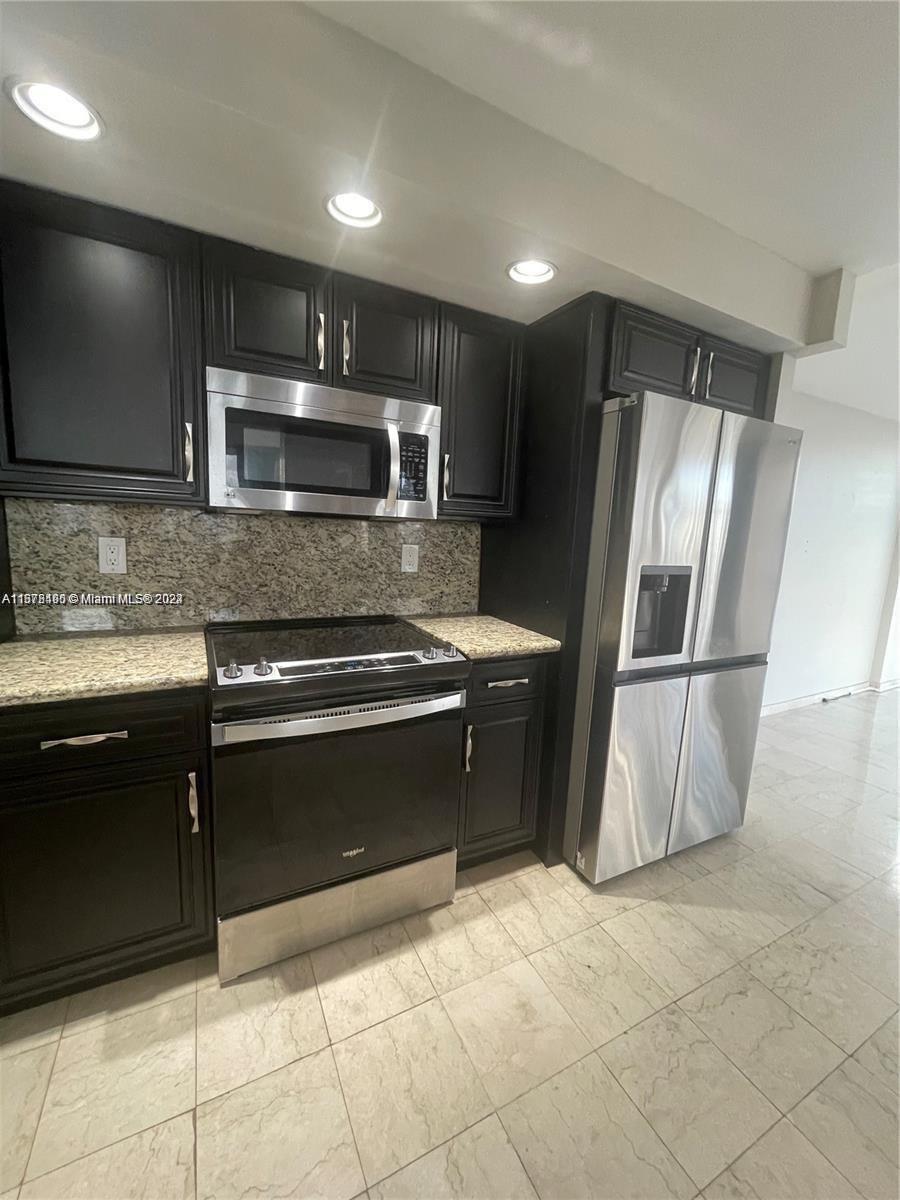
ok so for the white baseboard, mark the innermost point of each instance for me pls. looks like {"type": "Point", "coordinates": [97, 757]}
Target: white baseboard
{"type": "Point", "coordinates": [769, 710]}
{"type": "Point", "coordinates": [886, 685]}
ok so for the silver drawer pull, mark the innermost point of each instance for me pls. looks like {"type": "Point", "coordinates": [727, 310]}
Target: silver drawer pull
{"type": "Point", "coordinates": [346, 346]}
{"type": "Point", "coordinates": [446, 476]}
{"type": "Point", "coordinates": [508, 682]}
{"type": "Point", "coordinates": [188, 452]}
{"type": "Point", "coordinates": [193, 808]}
{"type": "Point", "coordinates": [469, 730]}
{"type": "Point", "coordinates": [86, 739]}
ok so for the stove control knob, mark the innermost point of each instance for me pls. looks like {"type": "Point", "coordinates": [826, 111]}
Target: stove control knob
{"type": "Point", "coordinates": [449, 652]}
{"type": "Point", "coordinates": [232, 671]}
{"type": "Point", "coordinates": [430, 653]}
{"type": "Point", "coordinates": [263, 667]}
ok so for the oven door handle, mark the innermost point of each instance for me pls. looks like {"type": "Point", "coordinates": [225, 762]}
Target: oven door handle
{"type": "Point", "coordinates": [332, 720]}
{"type": "Point", "coordinates": [394, 477]}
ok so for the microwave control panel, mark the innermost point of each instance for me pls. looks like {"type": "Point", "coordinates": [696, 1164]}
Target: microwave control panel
{"type": "Point", "coordinates": [413, 467]}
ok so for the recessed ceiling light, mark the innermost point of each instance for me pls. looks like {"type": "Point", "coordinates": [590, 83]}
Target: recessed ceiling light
{"type": "Point", "coordinates": [55, 109]}
{"type": "Point", "coordinates": [350, 208]}
{"type": "Point", "coordinates": [531, 270]}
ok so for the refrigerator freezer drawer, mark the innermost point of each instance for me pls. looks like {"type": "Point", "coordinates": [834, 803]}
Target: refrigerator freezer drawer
{"type": "Point", "coordinates": [748, 524]}
{"type": "Point", "coordinates": [716, 755]}
{"type": "Point", "coordinates": [627, 809]}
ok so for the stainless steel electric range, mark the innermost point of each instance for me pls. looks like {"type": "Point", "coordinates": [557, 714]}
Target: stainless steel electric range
{"type": "Point", "coordinates": [336, 763]}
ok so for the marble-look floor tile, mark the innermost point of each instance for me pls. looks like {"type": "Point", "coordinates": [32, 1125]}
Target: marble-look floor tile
{"type": "Point", "coordinates": [776, 1048]}
{"type": "Point", "coordinates": [859, 851]}
{"type": "Point", "coordinates": [727, 917]}
{"type": "Point", "coordinates": [514, 1029]}
{"type": "Point", "coordinates": [783, 1165]}
{"type": "Point", "coordinates": [460, 942]}
{"type": "Point", "coordinates": [815, 866]}
{"type": "Point", "coordinates": [409, 1085]}
{"type": "Point", "coordinates": [464, 885]}
{"type": "Point", "coordinates": [285, 1135]}
{"type": "Point", "coordinates": [864, 949]}
{"type": "Point", "coordinates": [123, 997]}
{"type": "Point", "coordinates": [535, 910]}
{"type": "Point", "coordinates": [479, 1164]}
{"type": "Point", "coordinates": [758, 832]}
{"type": "Point", "coordinates": [157, 1164]}
{"type": "Point", "coordinates": [668, 947]}
{"type": "Point", "coordinates": [877, 826]}
{"type": "Point", "coordinates": [114, 1080]}
{"type": "Point", "coordinates": [852, 1119]}
{"type": "Point", "coordinates": [715, 854]}
{"type": "Point", "coordinates": [786, 761]}
{"type": "Point", "coordinates": [772, 888]}
{"type": "Point", "coordinates": [581, 1138]}
{"type": "Point", "coordinates": [500, 869]}
{"type": "Point", "coordinates": [600, 987]}
{"type": "Point", "coordinates": [23, 1086]}
{"type": "Point", "coordinates": [256, 1024]}
{"type": "Point", "coordinates": [32, 1027]}
{"type": "Point", "coordinates": [698, 1102]}
{"type": "Point", "coordinates": [877, 902]}
{"type": "Point", "coordinates": [206, 968]}
{"type": "Point", "coordinates": [367, 978]}
{"type": "Point", "coordinates": [840, 1004]}
{"type": "Point", "coordinates": [600, 901]}
{"type": "Point", "coordinates": [879, 1053]}
{"type": "Point", "coordinates": [828, 804]}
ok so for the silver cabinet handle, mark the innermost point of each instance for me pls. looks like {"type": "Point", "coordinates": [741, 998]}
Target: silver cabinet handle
{"type": "Point", "coordinates": [394, 478]}
{"type": "Point", "coordinates": [508, 682]}
{"type": "Point", "coordinates": [446, 476]}
{"type": "Point", "coordinates": [709, 363]}
{"type": "Point", "coordinates": [346, 325]}
{"type": "Point", "coordinates": [85, 739]}
{"type": "Point", "coordinates": [469, 731]}
{"type": "Point", "coordinates": [320, 341]}
{"type": "Point", "coordinates": [193, 807]}
{"type": "Point", "coordinates": [188, 452]}
{"type": "Point", "coordinates": [695, 372]}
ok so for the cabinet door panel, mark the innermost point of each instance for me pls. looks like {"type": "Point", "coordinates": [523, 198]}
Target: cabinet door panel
{"type": "Point", "coordinates": [264, 313]}
{"type": "Point", "coordinates": [652, 353]}
{"type": "Point", "coordinates": [384, 339]}
{"type": "Point", "coordinates": [501, 783]}
{"type": "Point", "coordinates": [99, 869]}
{"type": "Point", "coordinates": [734, 378]}
{"type": "Point", "coordinates": [479, 375]}
{"type": "Point", "coordinates": [100, 326]}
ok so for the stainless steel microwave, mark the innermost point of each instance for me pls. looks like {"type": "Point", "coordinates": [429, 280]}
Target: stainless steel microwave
{"type": "Point", "coordinates": [279, 445]}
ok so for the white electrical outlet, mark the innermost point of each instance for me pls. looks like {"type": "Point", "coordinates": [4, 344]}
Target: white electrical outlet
{"type": "Point", "coordinates": [409, 559]}
{"type": "Point", "coordinates": [111, 555]}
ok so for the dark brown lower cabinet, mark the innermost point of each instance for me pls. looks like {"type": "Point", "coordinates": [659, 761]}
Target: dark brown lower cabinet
{"type": "Point", "coordinates": [502, 758]}
{"type": "Point", "coordinates": [103, 871]}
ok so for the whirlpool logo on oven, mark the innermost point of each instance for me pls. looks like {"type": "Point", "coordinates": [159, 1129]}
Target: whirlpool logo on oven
{"type": "Point", "coordinates": [353, 853]}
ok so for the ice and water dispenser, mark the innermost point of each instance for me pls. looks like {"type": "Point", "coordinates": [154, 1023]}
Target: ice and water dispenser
{"type": "Point", "coordinates": [661, 611]}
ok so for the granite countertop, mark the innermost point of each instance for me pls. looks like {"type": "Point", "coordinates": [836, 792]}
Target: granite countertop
{"type": "Point", "coordinates": [68, 668]}
{"type": "Point", "coordinates": [486, 637]}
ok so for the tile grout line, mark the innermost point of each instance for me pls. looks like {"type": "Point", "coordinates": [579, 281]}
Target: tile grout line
{"type": "Point", "coordinates": [40, 1118]}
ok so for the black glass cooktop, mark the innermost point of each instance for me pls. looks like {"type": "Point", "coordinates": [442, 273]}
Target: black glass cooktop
{"type": "Point", "coordinates": [281, 642]}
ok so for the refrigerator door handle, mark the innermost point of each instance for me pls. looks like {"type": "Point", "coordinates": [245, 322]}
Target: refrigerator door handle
{"type": "Point", "coordinates": [695, 372]}
{"type": "Point", "coordinates": [709, 367]}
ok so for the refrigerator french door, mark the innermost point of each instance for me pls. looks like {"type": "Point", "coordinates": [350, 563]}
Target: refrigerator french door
{"type": "Point", "coordinates": [689, 527]}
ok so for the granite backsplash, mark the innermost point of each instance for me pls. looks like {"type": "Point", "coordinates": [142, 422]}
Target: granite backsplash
{"type": "Point", "coordinates": [229, 566]}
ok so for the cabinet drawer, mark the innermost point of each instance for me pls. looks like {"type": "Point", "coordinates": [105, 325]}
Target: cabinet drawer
{"type": "Point", "coordinates": [42, 738]}
{"type": "Point", "coordinates": [506, 679]}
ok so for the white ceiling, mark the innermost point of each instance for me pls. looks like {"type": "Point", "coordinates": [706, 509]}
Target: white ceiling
{"type": "Point", "coordinates": [777, 119]}
{"type": "Point", "coordinates": [865, 373]}
{"type": "Point", "coordinates": [238, 118]}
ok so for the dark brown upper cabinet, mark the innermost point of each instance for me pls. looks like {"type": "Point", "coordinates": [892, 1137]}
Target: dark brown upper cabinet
{"type": "Point", "coordinates": [101, 331]}
{"type": "Point", "coordinates": [265, 313]}
{"type": "Point", "coordinates": [479, 374]}
{"type": "Point", "coordinates": [383, 340]}
{"type": "Point", "coordinates": [654, 353]}
{"type": "Point", "coordinates": [733, 377]}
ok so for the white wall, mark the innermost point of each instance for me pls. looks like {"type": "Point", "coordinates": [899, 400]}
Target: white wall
{"type": "Point", "coordinates": [839, 551]}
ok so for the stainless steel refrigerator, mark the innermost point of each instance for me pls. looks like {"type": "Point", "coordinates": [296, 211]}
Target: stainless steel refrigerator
{"type": "Point", "coordinates": [690, 519]}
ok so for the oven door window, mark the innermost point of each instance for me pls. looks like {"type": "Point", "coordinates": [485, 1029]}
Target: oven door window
{"type": "Point", "coordinates": [295, 454]}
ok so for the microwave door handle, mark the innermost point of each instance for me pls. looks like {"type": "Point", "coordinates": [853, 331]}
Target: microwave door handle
{"type": "Point", "coordinates": [394, 477]}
